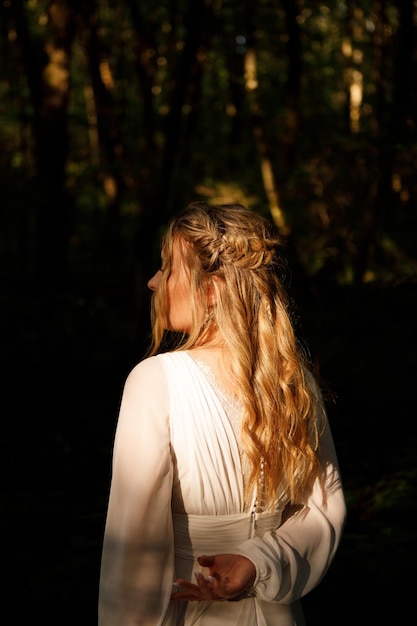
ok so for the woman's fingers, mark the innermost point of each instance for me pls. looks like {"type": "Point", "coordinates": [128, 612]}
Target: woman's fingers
{"type": "Point", "coordinates": [203, 590]}
{"type": "Point", "coordinates": [185, 591]}
{"type": "Point", "coordinates": [206, 561]}
{"type": "Point", "coordinates": [209, 587]}
{"type": "Point", "coordinates": [230, 576]}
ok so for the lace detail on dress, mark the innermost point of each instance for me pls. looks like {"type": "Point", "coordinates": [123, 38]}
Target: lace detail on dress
{"type": "Point", "coordinates": [233, 409]}
{"type": "Point", "coordinates": [232, 406]}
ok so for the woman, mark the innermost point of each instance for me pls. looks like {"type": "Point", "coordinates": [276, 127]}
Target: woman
{"type": "Point", "coordinates": [225, 480]}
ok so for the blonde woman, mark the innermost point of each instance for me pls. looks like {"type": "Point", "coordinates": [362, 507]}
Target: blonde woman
{"type": "Point", "coordinates": [226, 504]}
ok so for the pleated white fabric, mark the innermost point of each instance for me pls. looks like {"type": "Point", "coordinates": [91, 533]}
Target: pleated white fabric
{"type": "Point", "coordinates": [208, 463]}
{"type": "Point", "coordinates": [177, 492]}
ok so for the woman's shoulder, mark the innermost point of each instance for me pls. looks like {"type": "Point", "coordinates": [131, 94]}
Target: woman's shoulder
{"type": "Point", "coordinates": [145, 371]}
{"type": "Point", "coordinates": [156, 377]}
{"type": "Point", "coordinates": [147, 381]}
{"type": "Point", "coordinates": [157, 365]}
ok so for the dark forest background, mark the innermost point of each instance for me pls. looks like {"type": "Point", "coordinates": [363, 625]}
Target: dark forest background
{"type": "Point", "coordinates": [112, 117]}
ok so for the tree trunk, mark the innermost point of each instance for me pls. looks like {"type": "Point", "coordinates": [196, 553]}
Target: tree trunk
{"type": "Point", "coordinates": [50, 86]}
{"type": "Point", "coordinates": [194, 24]}
{"type": "Point", "coordinates": [114, 166]}
{"type": "Point", "coordinates": [145, 66]}
{"type": "Point", "coordinates": [260, 136]}
{"type": "Point", "coordinates": [292, 88]}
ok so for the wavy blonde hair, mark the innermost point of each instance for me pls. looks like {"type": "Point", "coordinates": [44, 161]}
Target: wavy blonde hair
{"type": "Point", "coordinates": [235, 251]}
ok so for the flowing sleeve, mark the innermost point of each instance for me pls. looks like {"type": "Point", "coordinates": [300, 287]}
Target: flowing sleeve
{"type": "Point", "coordinates": [291, 560]}
{"type": "Point", "coordinates": [137, 558]}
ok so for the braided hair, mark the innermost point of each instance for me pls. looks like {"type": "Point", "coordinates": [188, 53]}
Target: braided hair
{"type": "Point", "coordinates": [235, 252]}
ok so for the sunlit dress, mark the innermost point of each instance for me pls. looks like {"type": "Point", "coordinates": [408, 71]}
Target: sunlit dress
{"type": "Point", "coordinates": [177, 492]}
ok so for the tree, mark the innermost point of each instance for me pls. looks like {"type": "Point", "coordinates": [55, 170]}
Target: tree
{"type": "Point", "coordinates": [47, 67]}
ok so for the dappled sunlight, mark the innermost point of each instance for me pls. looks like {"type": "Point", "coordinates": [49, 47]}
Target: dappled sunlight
{"type": "Point", "coordinates": [306, 114]}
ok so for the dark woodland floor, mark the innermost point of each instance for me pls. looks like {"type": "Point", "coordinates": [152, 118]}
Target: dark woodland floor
{"type": "Point", "coordinates": [64, 363]}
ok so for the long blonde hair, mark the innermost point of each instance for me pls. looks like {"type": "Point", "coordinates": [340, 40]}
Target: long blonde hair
{"type": "Point", "coordinates": [235, 251]}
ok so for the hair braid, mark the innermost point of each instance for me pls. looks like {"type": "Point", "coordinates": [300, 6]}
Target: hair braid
{"type": "Point", "coordinates": [281, 421]}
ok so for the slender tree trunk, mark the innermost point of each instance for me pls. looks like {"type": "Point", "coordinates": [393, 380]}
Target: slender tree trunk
{"type": "Point", "coordinates": [112, 152]}
{"type": "Point", "coordinates": [395, 118]}
{"type": "Point", "coordinates": [292, 88]}
{"type": "Point", "coordinates": [194, 24]}
{"type": "Point", "coordinates": [50, 87]}
{"type": "Point", "coordinates": [400, 112]}
{"type": "Point", "coordinates": [260, 136]}
{"type": "Point", "coordinates": [145, 66]}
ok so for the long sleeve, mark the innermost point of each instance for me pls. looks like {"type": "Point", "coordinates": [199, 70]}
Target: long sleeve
{"type": "Point", "coordinates": [137, 559]}
{"type": "Point", "coordinates": [292, 560]}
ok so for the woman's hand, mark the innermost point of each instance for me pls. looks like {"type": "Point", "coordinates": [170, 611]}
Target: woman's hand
{"type": "Point", "coordinates": [231, 577]}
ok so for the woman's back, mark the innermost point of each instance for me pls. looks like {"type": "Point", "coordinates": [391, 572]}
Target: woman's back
{"type": "Point", "coordinates": [214, 439]}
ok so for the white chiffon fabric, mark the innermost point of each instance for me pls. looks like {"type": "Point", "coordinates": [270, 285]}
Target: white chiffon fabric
{"type": "Point", "coordinates": [177, 493]}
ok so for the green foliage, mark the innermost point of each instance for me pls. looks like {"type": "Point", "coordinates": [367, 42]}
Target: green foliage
{"type": "Point", "coordinates": [119, 122]}
{"type": "Point", "coordinates": [162, 108]}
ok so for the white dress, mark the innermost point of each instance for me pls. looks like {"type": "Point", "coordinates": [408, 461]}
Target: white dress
{"type": "Point", "coordinates": [177, 493]}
